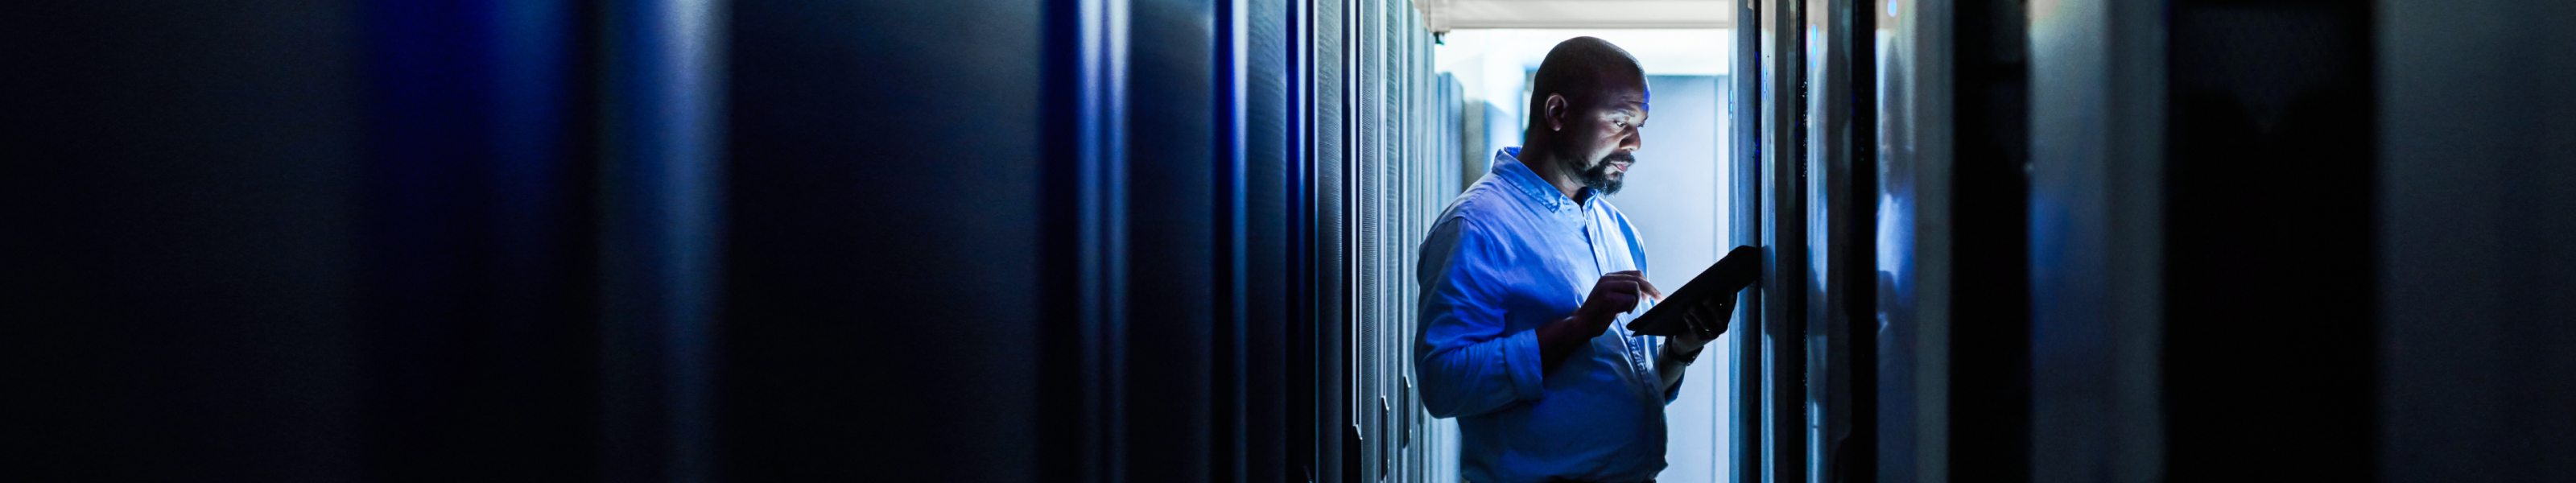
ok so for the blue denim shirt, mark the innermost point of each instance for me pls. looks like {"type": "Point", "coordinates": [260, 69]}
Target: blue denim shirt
{"type": "Point", "coordinates": [1509, 255]}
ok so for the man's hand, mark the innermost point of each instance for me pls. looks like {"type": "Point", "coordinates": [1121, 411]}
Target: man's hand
{"type": "Point", "coordinates": [1706, 322]}
{"type": "Point", "coordinates": [1616, 293]}
{"type": "Point", "coordinates": [1740, 268]}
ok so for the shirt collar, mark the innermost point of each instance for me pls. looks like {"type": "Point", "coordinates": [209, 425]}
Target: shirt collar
{"type": "Point", "coordinates": [1508, 166]}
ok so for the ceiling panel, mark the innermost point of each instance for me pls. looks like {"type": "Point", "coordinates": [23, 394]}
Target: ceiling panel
{"type": "Point", "coordinates": [1444, 15]}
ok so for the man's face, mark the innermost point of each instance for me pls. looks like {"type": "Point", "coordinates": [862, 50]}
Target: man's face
{"type": "Point", "coordinates": [1600, 132]}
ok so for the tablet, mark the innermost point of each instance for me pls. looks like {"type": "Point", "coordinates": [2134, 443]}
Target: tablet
{"type": "Point", "coordinates": [1741, 267]}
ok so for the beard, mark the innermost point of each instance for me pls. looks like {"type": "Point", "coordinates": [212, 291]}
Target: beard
{"type": "Point", "coordinates": [1599, 176]}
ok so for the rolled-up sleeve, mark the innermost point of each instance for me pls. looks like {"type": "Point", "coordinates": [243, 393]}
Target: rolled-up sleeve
{"type": "Point", "coordinates": [1468, 363]}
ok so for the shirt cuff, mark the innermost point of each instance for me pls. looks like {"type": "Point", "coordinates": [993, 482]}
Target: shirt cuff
{"type": "Point", "coordinates": [1520, 354]}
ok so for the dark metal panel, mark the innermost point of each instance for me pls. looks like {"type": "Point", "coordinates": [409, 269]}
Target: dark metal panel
{"type": "Point", "coordinates": [660, 189]}
{"type": "Point", "coordinates": [1912, 240]}
{"type": "Point", "coordinates": [478, 218]}
{"type": "Point", "coordinates": [2097, 111]}
{"type": "Point", "coordinates": [183, 291]}
{"type": "Point", "coordinates": [876, 191]}
{"type": "Point", "coordinates": [1231, 59]}
{"type": "Point", "coordinates": [2268, 190]}
{"type": "Point", "coordinates": [1839, 269]}
{"type": "Point", "coordinates": [441, 212]}
{"type": "Point", "coordinates": [1270, 149]}
{"type": "Point", "coordinates": [1988, 162]}
{"type": "Point", "coordinates": [1330, 159]}
{"type": "Point", "coordinates": [2477, 240]}
{"type": "Point", "coordinates": [1170, 207]}
{"type": "Point", "coordinates": [1312, 444]}
{"type": "Point", "coordinates": [1086, 106]}
{"type": "Point", "coordinates": [1784, 231]}
{"type": "Point", "coordinates": [1367, 210]}
{"type": "Point", "coordinates": [1746, 100]}
{"type": "Point", "coordinates": [1826, 158]}
{"type": "Point", "coordinates": [1853, 453]}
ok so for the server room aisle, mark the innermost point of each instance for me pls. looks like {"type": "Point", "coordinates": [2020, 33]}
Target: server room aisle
{"type": "Point", "coordinates": [1107, 241]}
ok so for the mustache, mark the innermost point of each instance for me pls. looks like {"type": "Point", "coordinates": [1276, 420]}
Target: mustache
{"type": "Point", "coordinates": [1604, 164]}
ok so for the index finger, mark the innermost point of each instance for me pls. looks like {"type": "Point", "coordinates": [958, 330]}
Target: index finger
{"type": "Point", "coordinates": [1643, 286]}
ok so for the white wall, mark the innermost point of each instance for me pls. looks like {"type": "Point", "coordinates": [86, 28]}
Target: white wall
{"type": "Point", "coordinates": [1675, 195]}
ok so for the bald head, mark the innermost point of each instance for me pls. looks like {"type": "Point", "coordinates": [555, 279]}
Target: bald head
{"type": "Point", "coordinates": [1580, 69]}
{"type": "Point", "coordinates": [1587, 103]}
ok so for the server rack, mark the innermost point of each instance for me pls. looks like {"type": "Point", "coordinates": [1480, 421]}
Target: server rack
{"type": "Point", "coordinates": [1395, 183]}
{"type": "Point", "coordinates": [1376, 170]}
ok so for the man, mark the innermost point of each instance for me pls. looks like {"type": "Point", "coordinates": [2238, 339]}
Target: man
{"type": "Point", "coordinates": [1526, 280]}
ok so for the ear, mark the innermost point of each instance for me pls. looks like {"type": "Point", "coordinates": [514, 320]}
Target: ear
{"type": "Point", "coordinates": [1555, 112]}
